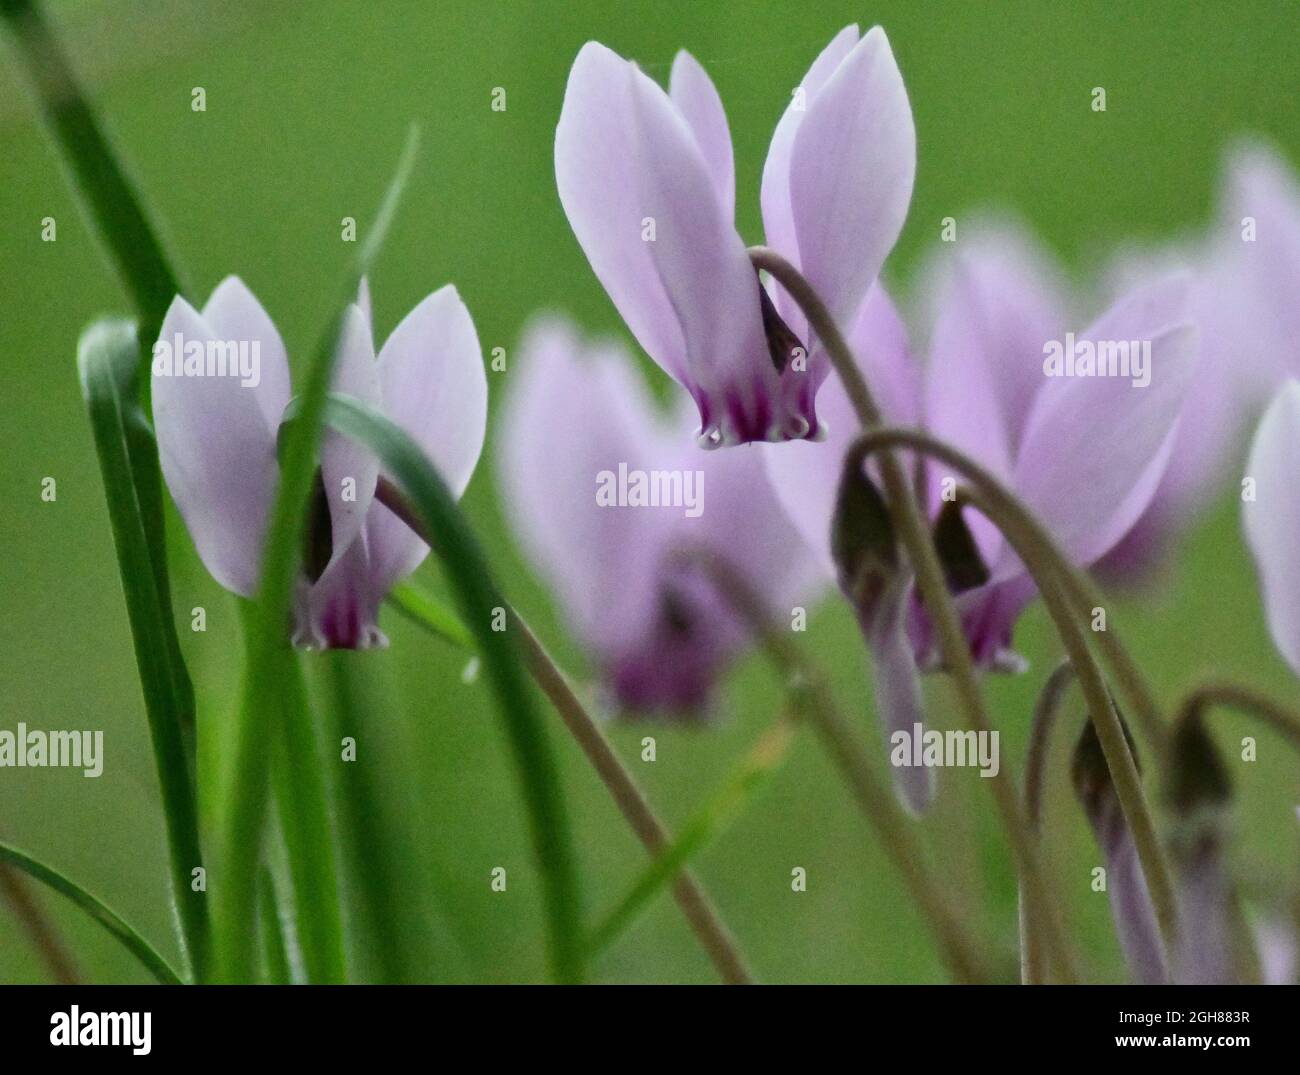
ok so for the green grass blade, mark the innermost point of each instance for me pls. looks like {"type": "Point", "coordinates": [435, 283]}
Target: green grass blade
{"type": "Point", "coordinates": [270, 661]}
{"type": "Point", "coordinates": [275, 953]}
{"type": "Point", "coordinates": [108, 195]}
{"type": "Point", "coordinates": [479, 601]}
{"type": "Point", "coordinates": [111, 921]}
{"type": "Point", "coordinates": [436, 618]}
{"type": "Point", "coordinates": [725, 804]}
{"type": "Point", "coordinates": [105, 359]}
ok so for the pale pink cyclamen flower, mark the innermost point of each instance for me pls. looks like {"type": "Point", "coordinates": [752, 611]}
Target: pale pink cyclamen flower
{"type": "Point", "coordinates": [579, 430]}
{"type": "Point", "coordinates": [647, 180]}
{"type": "Point", "coordinates": [1271, 514]}
{"type": "Point", "coordinates": [1243, 301]}
{"type": "Point", "coordinates": [1083, 453]}
{"type": "Point", "coordinates": [217, 446]}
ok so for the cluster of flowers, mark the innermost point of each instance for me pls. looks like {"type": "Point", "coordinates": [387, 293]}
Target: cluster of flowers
{"type": "Point", "coordinates": [1110, 467]}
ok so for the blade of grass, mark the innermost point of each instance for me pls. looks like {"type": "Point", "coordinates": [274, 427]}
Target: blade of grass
{"type": "Point", "coordinates": [422, 610]}
{"type": "Point", "coordinates": [275, 955]}
{"type": "Point", "coordinates": [107, 193]}
{"type": "Point", "coordinates": [110, 920]}
{"type": "Point", "coordinates": [105, 359]}
{"type": "Point", "coordinates": [479, 601]}
{"type": "Point", "coordinates": [270, 658]}
{"type": "Point", "coordinates": [711, 819]}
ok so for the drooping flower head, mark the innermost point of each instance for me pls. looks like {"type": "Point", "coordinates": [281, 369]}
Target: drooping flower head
{"type": "Point", "coordinates": [609, 498]}
{"type": "Point", "coordinates": [1083, 450]}
{"type": "Point", "coordinates": [647, 180]}
{"type": "Point", "coordinates": [217, 435]}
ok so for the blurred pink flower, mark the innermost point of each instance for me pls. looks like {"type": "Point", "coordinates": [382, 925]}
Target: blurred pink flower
{"type": "Point", "coordinates": [576, 418]}
{"type": "Point", "coordinates": [217, 445]}
{"type": "Point", "coordinates": [647, 180]}
{"type": "Point", "coordinates": [1271, 513]}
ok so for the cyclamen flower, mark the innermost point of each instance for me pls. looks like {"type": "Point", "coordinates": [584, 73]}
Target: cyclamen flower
{"type": "Point", "coordinates": [1245, 279]}
{"type": "Point", "coordinates": [217, 445]}
{"type": "Point", "coordinates": [581, 438]}
{"type": "Point", "coordinates": [647, 180]}
{"type": "Point", "coordinates": [1084, 453]}
{"type": "Point", "coordinates": [1271, 514]}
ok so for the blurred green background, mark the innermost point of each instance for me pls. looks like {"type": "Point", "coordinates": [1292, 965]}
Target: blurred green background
{"type": "Point", "coordinates": [307, 107]}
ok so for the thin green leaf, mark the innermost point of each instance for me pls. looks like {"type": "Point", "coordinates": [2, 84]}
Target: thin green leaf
{"type": "Point", "coordinates": [429, 613]}
{"type": "Point", "coordinates": [710, 820]}
{"type": "Point", "coordinates": [275, 955]}
{"type": "Point", "coordinates": [271, 662]}
{"type": "Point", "coordinates": [110, 199]}
{"type": "Point", "coordinates": [130, 939]}
{"type": "Point", "coordinates": [480, 604]}
{"type": "Point", "coordinates": [105, 359]}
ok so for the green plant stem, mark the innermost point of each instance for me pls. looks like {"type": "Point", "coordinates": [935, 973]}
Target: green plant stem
{"type": "Point", "coordinates": [108, 195]}
{"type": "Point", "coordinates": [1032, 969]}
{"type": "Point", "coordinates": [275, 954]}
{"type": "Point", "coordinates": [1276, 715]}
{"type": "Point", "coordinates": [703, 918]}
{"type": "Point", "coordinates": [482, 605]}
{"type": "Point", "coordinates": [924, 558]}
{"type": "Point", "coordinates": [105, 359]}
{"type": "Point", "coordinates": [879, 806]}
{"type": "Point", "coordinates": [96, 909]}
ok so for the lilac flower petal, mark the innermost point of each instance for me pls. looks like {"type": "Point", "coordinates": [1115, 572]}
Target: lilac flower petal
{"type": "Point", "coordinates": [695, 98]}
{"type": "Point", "coordinates": [1086, 482]}
{"type": "Point", "coordinates": [348, 469]}
{"type": "Point", "coordinates": [705, 271]}
{"type": "Point", "coordinates": [218, 457]}
{"type": "Point", "coordinates": [900, 706]}
{"type": "Point", "coordinates": [233, 313]}
{"type": "Point", "coordinates": [565, 421]}
{"type": "Point", "coordinates": [597, 171]}
{"type": "Point", "coordinates": [1272, 518]}
{"type": "Point", "coordinates": [778, 218]}
{"type": "Point", "coordinates": [851, 171]}
{"type": "Point", "coordinates": [434, 387]}
{"type": "Point", "coordinates": [341, 610]}
{"type": "Point", "coordinates": [1132, 910]}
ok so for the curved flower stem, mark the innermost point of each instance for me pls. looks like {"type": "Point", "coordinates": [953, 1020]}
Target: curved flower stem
{"type": "Point", "coordinates": [893, 828]}
{"type": "Point", "coordinates": [694, 902]}
{"type": "Point", "coordinates": [934, 591]}
{"type": "Point", "coordinates": [1032, 970]}
{"type": "Point", "coordinates": [1110, 732]}
{"type": "Point", "coordinates": [1245, 700]}
{"type": "Point", "coordinates": [44, 937]}
{"type": "Point", "coordinates": [1046, 564]}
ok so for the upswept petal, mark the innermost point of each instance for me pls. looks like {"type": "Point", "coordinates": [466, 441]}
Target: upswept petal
{"type": "Point", "coordinates": [696, 99]}
{"type": "Point", "coordinates": [597, 166]}
{"type": "Point", "coordinates": [218, 457]}
{"type": "Point", "coordinates": [348, 468]}
{"type": "Point", "coordinates": [778, 220]}
{"type": "Point", "coordinates": [233, 313]}
{"type": "Point", "coordinates": [1272, 518]}
{"type": "Point", "coordinates": [705, 272]}
{"type": "Point", "coordinates": [851, 171]}
{"type": "Point", "coordinates": [1095, 447]}
{"type": "Point", "coordinates": [433, 386]}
